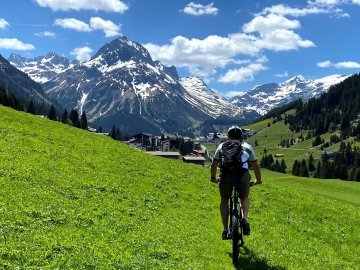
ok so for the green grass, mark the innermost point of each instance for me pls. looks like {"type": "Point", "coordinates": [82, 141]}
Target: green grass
{"type": "Point", "coordinates": [270, 138]}
{"type": "Point", "coordinates": [70, 199]}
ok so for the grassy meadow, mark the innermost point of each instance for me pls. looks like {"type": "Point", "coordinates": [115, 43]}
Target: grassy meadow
{"type": "Point", "coordinates": [269, 137]}
{"type": "Point", "coordinates": [70, 199]}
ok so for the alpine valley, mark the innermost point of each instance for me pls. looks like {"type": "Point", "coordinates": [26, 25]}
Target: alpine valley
{"type": "Point", "coordinates": [122, 85]}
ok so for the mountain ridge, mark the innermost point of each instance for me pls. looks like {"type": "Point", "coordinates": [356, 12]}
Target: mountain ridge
{"type": "Point", "coordinates": [121, 82]}
{"type": "Point", "coordinates": [265, 97]}
{"type": "Point", "coordinates": [23, 87]}
{"type": "Point", "coordinates": [122, 85]}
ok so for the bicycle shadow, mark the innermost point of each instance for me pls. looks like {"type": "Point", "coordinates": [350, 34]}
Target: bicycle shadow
{"type": "Point", "coordinates": [249, 261]}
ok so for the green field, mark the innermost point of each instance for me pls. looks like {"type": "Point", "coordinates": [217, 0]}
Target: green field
{"type": "Point", "coordinates": [70, 199]}
{"type": "Point", "coordinates": [270, 138]}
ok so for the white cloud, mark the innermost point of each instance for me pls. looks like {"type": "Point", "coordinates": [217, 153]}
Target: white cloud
{"type": "Point", "coordinates": [199, 9]}
{"type": "Point", "coordinates": [276, 33]}
{"type": "Point", "coordinates": [46, 34]}
{"type": "Point", "coordinates": [231, 94]}
{"type": "Point", "coordinates": [332, 3]}
{"type": "Point", "coordinates": [110, 29]}
{"type": "Point", "coordinates": [202, 57]}
{"type": "Point", "coordinates": [327, 2]}
{"type": "Point", "coordinates": [96, 23]}
{"type": "Point", "coordinates": [268, 23]}
{"type": "Point", "coordinates": [270, 30]}
{"type": "Point", "coordinates": [285, 10]}
{"type": "Point", "coordinates": [82, 53]}
{"type": "Point", "coordinates": [74, 24]}
{"type": "Point", "coordinates": [282, 75]}
{"type": "Point", "coordinates": [3, 23]}
{"type": "Point", "coordinates": [346, 64]}
{"type": "Point", "coordinates": [324, 64]}
{"type": "Point", "coordinates": [243, 74]}
{"type": "Point", "coordinates": [15, 44]}
{"type": "Point", "coordinates": [97, 5]}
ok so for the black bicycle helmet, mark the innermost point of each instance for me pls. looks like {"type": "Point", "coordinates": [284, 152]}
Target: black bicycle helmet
{"type": "Point", "coordinates": [235, 133]}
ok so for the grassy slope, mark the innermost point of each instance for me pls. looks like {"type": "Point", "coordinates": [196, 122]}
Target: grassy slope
{"type": "Point", "coordinates": [270, 138]}
{"type": "Point", "coordinates": [75, 200]}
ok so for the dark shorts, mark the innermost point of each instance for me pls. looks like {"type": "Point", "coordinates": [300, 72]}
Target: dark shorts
{"type": "Point", "coordinates": [227, 181]}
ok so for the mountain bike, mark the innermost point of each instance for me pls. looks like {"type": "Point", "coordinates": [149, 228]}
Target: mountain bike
{"type": "Point", "coordinates": [236, 230]}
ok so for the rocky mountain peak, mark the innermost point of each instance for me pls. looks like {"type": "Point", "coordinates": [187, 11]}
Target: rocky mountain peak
{"type": "Point", "coordinates": [121, 50]}
{"type": "Point", "coordinates": [299, 79]}
{"type": "Point", "coordinates": [42, 68]}
{"type": "Point", "coordinates": [265, 97]}
{"type": "Point", "coordinates": [17, 60]}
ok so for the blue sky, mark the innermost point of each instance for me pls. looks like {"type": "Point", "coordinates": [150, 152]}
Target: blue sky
{"type": "Point", "coordinates": [233, 45]}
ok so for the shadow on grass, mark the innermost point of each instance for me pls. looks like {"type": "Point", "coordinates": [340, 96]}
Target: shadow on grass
{"type": "Point", "coordinates": [249, 261]}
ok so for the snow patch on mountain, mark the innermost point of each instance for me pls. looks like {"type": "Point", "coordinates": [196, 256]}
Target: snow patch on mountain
{"type": "Point", "coordinates": [43, 68]}
{"type": "Point", "coordinates": [209, 101]}
{"type": "Point", "coordinates": [265, 97]}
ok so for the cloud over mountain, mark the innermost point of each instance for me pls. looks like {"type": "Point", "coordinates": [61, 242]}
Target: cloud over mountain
{"type": "Point", "coordinates": [96, 23]}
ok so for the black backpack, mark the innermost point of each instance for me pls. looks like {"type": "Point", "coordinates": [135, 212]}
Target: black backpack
{"type": "Point", "coordinates": [231, 157]}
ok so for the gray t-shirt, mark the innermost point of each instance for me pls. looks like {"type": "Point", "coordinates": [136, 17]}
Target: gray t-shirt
{"type": "Point", "coordinates": [248, 154]}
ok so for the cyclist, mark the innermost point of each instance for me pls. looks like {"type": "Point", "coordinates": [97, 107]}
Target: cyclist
{"type": "Point", "coordinates": [226, 180]}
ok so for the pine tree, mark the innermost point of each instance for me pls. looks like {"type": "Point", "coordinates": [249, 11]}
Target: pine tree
{"type": "Point", "coordinates": [352, 175]}
{"type": "Point", "coordinates": [318, 170]}
{"type": "Point", "coordinates": [83, 121]}
{"type": "Point", "coordinates": [303, 169]}
{"type": "Point", "coordinates": [52, 113]}
{"type": "Point", "coordinates": [65, 117]}
{"type": "Point", "coordinates": [74, 117]}
{"type": "Point", "coordinates": [357, 175]}
{"type": "Point", "coordinates": [295, 168]}
{"type": "Point", "coordinates": [31, 108]}
{"type": "Point", "coordinates": [282, 166]}
{"type": "Point", "coordinates": [311, 163]}
{"type": "Point", "coordinates": [182, 146]}
{"type": "Point", "coordinates": [113, 132]}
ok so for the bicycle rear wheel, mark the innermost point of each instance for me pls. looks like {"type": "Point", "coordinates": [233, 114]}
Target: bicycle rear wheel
{"type": "Point", "coordinates": [235, 239]}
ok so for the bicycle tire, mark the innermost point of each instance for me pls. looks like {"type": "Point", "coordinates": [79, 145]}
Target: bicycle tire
{"type": "Point", "coordinates": [235, 239]}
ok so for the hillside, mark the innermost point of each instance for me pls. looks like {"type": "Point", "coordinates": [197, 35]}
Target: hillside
{"type": "Point", "coordinates": [18, 83]}
{"type": "Point", "coordinates": [75, 200]}
{"type": "Point", "coordinates": [321, 125]}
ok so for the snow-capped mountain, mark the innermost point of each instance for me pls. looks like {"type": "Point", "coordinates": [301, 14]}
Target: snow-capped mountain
{"type": "Point", "coordinates": [43, 68]}
{"type": "Point", "coordinates": [265, 97]}
{"type": "Point", "coordinates": [121, 85]}
{"type": "Point", "coordinates": [18, 83]}
{"type": "Point", "coordinates": [209, 101]}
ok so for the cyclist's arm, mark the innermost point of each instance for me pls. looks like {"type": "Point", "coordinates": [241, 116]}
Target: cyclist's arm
{"type": "Point", "coordinates": [256, 167]}
{"type": "Point", "coordinates": [214, 165]}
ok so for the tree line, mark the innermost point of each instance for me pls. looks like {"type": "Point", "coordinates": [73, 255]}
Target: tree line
{"type": "Point", "coordinates": [333, 110]}
{"type": "Point", "coordinates": [344, 164]}
{"type": "Point", "coordinates": [268, 162]}
{"type": "Point", "coordinates": [73, 118]}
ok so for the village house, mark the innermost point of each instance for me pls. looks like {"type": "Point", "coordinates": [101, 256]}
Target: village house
{"type": "Point", "coordinates": [172, 155]}
{"type": "Point", "coordinates": [195, 160]}
{"type": "Point", "coordinates": [218, 138]}
{"type": "Point", "coordinates": [145, 139]}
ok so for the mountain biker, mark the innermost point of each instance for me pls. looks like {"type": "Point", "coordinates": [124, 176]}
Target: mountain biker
{"type": "Point", "coordinates": [226, 180]}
